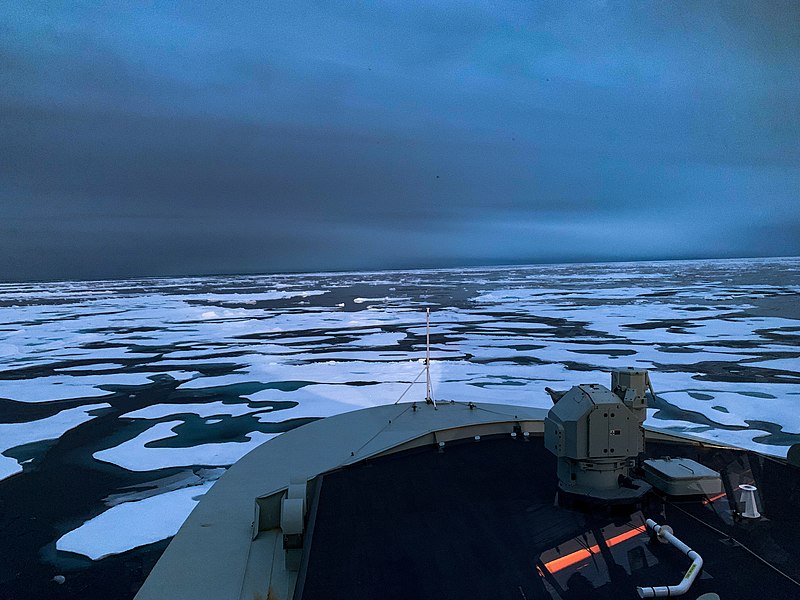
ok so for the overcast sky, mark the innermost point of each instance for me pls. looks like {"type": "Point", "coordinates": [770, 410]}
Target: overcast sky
{"type": "Point", "coordinates": [270, 136]}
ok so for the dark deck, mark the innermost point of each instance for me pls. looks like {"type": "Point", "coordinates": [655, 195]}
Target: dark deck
{"type": "Point", "coordinates": [479, 521]}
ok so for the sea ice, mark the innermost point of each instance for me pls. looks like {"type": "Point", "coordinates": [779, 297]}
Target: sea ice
{"type": "Point", "coordinates": [50, 428]}
{"type": "Point", "coordinates": [91, 367]}
{"type": "Point", "coordinates": [135, 455]}
{"type": "Point", "coordinates": [792, 365]}
{"type": "Point", "coordinates": [63, 387]}
{"type": "Point", "coordinates": [672, 317]}
{"type": "Point", "coordinates": [204, 410]}
{"type": "Point", "coordinates": [133, 524]}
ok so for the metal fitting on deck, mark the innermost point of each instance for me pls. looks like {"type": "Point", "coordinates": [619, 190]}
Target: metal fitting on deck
{"type": "Point", "coordinates": [664, 533]}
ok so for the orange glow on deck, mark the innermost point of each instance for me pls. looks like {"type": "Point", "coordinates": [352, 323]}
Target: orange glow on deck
{"type": "Point", "coordinates": [572, 558]}
{"type": "Point", "coordinates": [714, 498]}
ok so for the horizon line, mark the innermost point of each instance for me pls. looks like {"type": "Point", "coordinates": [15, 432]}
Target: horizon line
{"type": "Point", "coordinates": [390, 270]}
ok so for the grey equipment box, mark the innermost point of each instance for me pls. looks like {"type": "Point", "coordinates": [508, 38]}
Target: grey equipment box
{"type": "Point", "coordinates": [681, 477]}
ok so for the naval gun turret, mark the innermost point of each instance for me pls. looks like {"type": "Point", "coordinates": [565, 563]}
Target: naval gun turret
{"type": "Point", "coordinates": [597, 435]}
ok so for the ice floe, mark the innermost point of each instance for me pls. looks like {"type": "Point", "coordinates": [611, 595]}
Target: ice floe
{"type": "Point", "coordinates": [791, 365]}
{"type": "Point", "coordinates": [133, 524]}
{"type": "Point", "coordinates": [62, 387]}
{"type": "Point", "coordinates": [135, 455]}
{"type": "Point", "coordinates": [92, 367]}
{"type": "Point", "coordinates": [204, 410]}
{"type": "Point", "coordinates": [50, 428]}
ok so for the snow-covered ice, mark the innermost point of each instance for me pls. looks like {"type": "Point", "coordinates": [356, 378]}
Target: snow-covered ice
{"type": "Point", "coordinates": [133, 524]}
{"type": "Point", "coordinates": [134, 454]}
{"type": "Point", "coordinates": [50, 428]}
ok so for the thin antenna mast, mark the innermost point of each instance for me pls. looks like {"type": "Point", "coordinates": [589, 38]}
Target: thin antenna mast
{"type": "Point", "coordinates": [428, 397]}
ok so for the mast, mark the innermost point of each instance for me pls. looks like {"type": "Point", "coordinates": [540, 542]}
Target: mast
{"type": "Point", "coordinates": [428, 398]}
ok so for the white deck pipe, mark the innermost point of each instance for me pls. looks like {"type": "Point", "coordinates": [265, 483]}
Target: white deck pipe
{"type": "Point", "coordinates": [688, 579]}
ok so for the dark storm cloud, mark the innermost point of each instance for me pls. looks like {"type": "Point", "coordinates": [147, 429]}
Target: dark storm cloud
{"type": "Point", "coordinates": [188, 138]}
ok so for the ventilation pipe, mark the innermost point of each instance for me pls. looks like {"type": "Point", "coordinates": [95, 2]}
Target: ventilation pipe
{"type": "Point", "coordinates": [664, 534]}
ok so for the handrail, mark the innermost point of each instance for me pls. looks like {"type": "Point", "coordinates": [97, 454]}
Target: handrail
{"type": "Point", "coordinates": [665, 533]}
